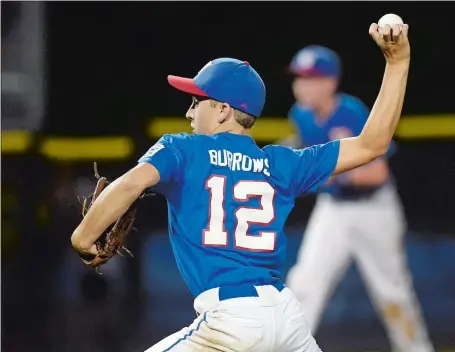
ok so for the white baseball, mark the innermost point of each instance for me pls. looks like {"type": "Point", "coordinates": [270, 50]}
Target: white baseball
{"type": "Point", "coordinates": [389, 19]}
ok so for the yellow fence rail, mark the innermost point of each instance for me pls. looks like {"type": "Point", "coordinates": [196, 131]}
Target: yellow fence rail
{"type": "Point", "coordinates": [266, 130]}
{"type": "Point", "coordinates": [271, 129]}
{"type": "Point", "coordinates": [87, 148]}
{"type": "Point", "coordinates": [15, 142]}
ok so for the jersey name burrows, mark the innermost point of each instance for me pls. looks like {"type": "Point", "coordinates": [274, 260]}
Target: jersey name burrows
{"type": "Point", "coordinates": [239, 161]}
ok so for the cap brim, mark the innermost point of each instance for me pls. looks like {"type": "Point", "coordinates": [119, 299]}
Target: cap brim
{"type": "Point", "coordinates": [304, 72]}
{"type": "Point", "coordinates": [308, 73]}
{"type": "Point", "coordinates": [186, 85]}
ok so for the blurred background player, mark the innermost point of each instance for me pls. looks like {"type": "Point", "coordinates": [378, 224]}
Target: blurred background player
{"type": "Point", "coordinates": [357, 215]}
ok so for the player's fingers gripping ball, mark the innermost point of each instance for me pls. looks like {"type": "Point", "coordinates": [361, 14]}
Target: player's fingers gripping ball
{"type": "Point", "coordinates": [391, 35]}
{"type": "Point", "coordinates": [111, 242]}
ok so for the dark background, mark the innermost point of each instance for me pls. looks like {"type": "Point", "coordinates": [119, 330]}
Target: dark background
{"type": "Point", "coordinates": [105, 72]}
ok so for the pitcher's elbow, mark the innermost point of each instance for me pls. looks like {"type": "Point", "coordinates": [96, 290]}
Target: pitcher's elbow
{"type": "Point", "coordinates": [382, 150]}
{"type": "Point", "coordinates": [79, 243]}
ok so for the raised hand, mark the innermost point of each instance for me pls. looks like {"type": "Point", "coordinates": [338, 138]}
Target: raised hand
{"type": "Point", "coordinates": [393, 41]}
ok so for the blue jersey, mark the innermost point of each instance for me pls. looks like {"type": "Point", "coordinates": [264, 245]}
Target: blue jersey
{"type": "Point", "coordinates": [228, 201]}
{"type": "Point", "coordinates": [347, 120]}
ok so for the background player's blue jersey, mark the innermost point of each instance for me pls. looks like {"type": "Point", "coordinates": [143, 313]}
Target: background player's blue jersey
{"type": "Point", "coordinates": [347, 120]}
{"type": "Point", "coordinates": [228, 201]}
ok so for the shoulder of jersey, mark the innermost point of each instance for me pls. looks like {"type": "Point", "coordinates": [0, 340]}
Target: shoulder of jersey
{"type": "Point", "coordinates": [297, 108]}
{"type": "Point", "coordinates": [351, 102]}
{"type": "Point", "coordinates": [276, 148]}
{"type": "Point", "coordinates": [300, 113]}
{"type": "Point", "coordinates": [281, 159]}
{"type": "Point", "coordinates": [179, 137]}
{"type": "Point", "coordinates": [185, 139]}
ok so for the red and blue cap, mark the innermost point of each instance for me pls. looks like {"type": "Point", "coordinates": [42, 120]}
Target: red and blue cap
{"type": "Point", "coordinates": [229, 81]}
{"type": "Point", "coordinates": [316, 61]}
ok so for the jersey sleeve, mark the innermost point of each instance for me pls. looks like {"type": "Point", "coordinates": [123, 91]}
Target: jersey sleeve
{"type": "Point", "coordinates": [167, 157]}
{"type": "Point", "coordinates": [311, 167]}
{"type": "Point", "coordinates": [296, 120]}
{"type": "Point", "coordinates": [291, 113]}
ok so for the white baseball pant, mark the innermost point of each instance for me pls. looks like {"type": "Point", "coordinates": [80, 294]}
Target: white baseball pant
{"type": "Point", "coordinates": [370, 231]}
{"type": "Point", "coordinates": [271, 322]}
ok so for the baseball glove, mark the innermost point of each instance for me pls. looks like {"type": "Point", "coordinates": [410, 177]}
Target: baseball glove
{"type": "Point", "coordinates": [111, 241]}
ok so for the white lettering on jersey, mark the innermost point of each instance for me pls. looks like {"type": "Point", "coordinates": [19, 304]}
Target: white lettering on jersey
{"type": "Point", "coordinates": [239, 162]}
{"type": "Point", "coordinates": [258, 165]}
{"type": "Point", "coordinates": [236, 162]}
{"type": "Point", "coordinates": [222, 158]}
{"type": "Point", "coordinates": [246, 163]}
{"type": "Point", "coordinates": [266, 171]}
{"type": "Point", "coordinates": [229, 158]}
{"type": "Point", "coordinates": [213, 156]}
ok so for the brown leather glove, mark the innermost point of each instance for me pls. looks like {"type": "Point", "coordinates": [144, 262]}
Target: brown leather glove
{"type": "Point", "coordinates": [111, 241]}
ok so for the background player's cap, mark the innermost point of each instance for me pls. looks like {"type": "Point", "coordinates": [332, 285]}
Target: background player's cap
{"type": "Point", "coordinates": [316, 61]}
{"type": "Point", "coordinates": [227, 80]}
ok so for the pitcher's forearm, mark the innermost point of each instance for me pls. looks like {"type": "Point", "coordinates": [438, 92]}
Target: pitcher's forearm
{"type": "Point", "coordinates": [112, 203]}
{"type": "Point", "coordinates": [385, 115]}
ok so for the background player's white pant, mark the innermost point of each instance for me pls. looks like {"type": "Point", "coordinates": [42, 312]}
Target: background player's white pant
{"type": "Point", "coordinates": [268, 323]}
{"type": "Point", "coordinates": [371, 232]}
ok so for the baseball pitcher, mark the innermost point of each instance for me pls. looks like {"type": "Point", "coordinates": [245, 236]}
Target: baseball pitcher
{"type": "Point", "coordinates": [228, 201]}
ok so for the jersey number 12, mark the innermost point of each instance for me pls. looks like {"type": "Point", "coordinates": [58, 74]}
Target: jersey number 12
{"type": "Point", "coordinates": [216, 234]}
